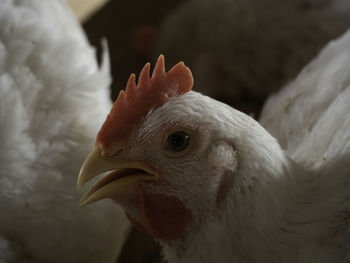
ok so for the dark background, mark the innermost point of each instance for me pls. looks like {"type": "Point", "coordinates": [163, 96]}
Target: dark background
{"type": "Point", "coordinates": [131, 28]}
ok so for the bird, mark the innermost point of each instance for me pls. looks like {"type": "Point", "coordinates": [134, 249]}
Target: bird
{"type": "Point", "coordinates": [53, 98]}
{"type": "Point", "coordinates": [212, 184]}
{"type": "Point", "coordinates": [241, 51]}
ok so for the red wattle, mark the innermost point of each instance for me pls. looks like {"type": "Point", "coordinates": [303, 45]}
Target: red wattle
{"type": "Point", "coordinates": [164, 217]}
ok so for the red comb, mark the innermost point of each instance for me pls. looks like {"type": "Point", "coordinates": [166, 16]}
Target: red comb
{"type": "Point", "coordinates": [133, 105]}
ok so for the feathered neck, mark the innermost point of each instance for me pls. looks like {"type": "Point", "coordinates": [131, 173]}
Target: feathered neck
{"type": "Point", "coordinates": [266, 214]}
{"type": "Point", "coordinates": [275, 208]}
{"type": "Point", "coordinates": [251, 226]}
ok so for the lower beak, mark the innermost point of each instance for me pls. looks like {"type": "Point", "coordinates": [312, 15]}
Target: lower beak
{"type": "Point", "coordinates": [122, 182]}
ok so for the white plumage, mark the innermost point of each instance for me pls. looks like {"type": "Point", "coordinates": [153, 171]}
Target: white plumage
{"type": "Point", "coordinates": [285, 206]}
{"type": "Point", "coordinates": [310, 116]}
{"type": "Point", "coordinates": [53, 98]}
{"type": "Point", "coordinates": [245, 196]}
{"type": "Point", "coordinates": [242, 195]}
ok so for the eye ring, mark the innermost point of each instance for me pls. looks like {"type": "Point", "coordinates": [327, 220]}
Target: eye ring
{"type": "Point", "coordinates": [177, 142]}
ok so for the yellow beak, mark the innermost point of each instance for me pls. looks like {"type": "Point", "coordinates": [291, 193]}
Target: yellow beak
{"type": "Point", "coordinates": [122, 182]}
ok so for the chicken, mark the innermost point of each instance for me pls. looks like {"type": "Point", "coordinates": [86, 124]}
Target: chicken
{"type": "Point", "coordinates": [53, 98]}
{"type": "Point", "coordinates": [212, 185]}
{"type": "Point", "coordinates": [254, 46]}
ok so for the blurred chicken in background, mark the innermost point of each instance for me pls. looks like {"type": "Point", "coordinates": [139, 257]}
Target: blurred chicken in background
{"type": "Point", "coordinates": [53, 98]}
{"type": "Point", "coordinates": [240, 51]}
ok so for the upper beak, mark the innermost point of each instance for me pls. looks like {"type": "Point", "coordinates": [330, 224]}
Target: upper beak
{"type": "Point", "coordinates": [120, 183]}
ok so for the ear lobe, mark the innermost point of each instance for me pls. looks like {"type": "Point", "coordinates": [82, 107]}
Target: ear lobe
{"type": "Point", "coordinates": [223, 163]}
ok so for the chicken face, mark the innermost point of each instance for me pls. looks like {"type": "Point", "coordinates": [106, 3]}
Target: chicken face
{"type": "Point", "coordinates": [171, 171]}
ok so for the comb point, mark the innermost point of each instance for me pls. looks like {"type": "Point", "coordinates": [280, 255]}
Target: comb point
{"type": "Point", "coordinates": [131, 84]}
{"type": "Point", "coordinates": [144, 75]}
{"type": "Point", "coordinates": [182, 75]}
{"type": "Point", "coordinates": [159, 68]}
{"type": "Point", "coordinates": [121, 95]}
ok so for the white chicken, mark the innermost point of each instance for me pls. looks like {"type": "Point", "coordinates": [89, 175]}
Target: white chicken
{"type": "Point", "coordinates": [240, 51]}
{"type": "Point", "coordinates": [53, 98]}
{"type": "Point", "coordinates": [212, 185]}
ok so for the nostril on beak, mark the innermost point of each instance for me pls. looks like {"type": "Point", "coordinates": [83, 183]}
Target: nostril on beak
{"type": "Point", "coordinates": [110, 154]}
{"type": "Point", "coordinates": [116, 153]}
{"type": "Point", "coordinates": [112, 150]}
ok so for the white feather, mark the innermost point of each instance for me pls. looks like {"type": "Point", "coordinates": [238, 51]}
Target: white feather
{"type": "Point", "coordinates": [289, 201]}
{"type": "Point", "coordinates": [310, 116]}
{"type": "Point", "coordinates": [53, 99]}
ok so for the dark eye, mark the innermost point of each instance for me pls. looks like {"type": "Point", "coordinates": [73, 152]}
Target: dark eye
{"type": "Point", "coordinates": [178, 141]}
